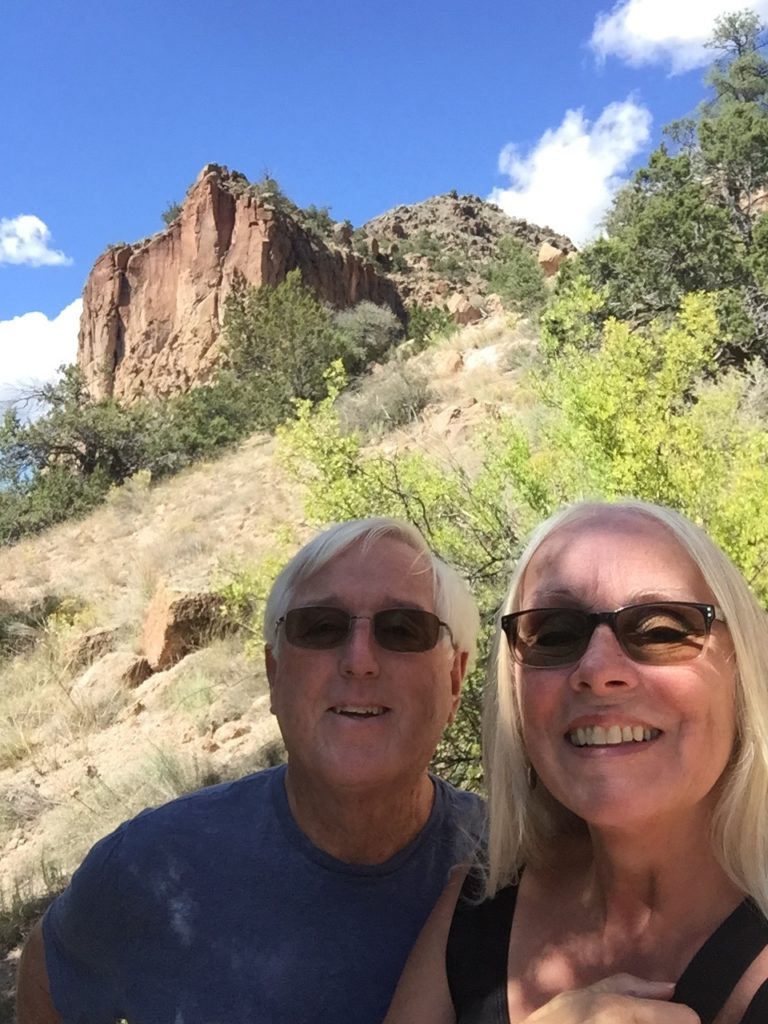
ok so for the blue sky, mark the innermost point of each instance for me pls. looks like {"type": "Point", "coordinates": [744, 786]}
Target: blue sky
{"type": "Point", "coordinates": [109, 110]}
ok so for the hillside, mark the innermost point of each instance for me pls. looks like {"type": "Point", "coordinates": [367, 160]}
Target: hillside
{"type": "Point", "coordinates": [66, 725]}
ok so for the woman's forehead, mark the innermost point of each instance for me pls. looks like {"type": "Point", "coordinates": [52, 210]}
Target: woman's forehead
{"type": "Point", "coordinates": [616, 548]}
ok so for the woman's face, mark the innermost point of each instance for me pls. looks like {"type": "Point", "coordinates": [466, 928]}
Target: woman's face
{"type": "Point", "coordinates": [684, 712]}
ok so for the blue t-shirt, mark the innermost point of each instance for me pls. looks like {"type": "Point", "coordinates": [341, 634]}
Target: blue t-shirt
{"type": "Point", "coordinates": [217, 909]}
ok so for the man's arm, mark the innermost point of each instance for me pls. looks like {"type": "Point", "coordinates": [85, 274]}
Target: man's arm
{"type": "Point", "coordinates": [33, 996]}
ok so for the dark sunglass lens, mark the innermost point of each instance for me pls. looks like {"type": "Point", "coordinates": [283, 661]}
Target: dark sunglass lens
{"type": "Point", "coordinates": [662, 633]}
{"type": "Point", "coordinates": [315, 627]}
{"type": "Point", "coordinates": [406, 629]}
{"type": "Point", "coordinates": [550, 636]}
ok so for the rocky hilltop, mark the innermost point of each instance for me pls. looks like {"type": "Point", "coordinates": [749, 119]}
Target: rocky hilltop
{"type": "Point", "coordinates": [442, 246]}
{"type": "Point", "coordinates": [153, 311]}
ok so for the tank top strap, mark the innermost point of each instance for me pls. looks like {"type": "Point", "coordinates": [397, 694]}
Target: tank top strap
{"type": "Point", "coordinates": [477, 953]}
{"type": "Point", "coordinates": [757, 1011]}
{"type": "Point", "coordinates": [712, 974]}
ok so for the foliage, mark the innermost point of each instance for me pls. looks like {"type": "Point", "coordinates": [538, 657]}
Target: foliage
{"type": "Point", "coordinates": [425, 323]}
{"type": "Point", "coordinates": [318, 220]}
{"type": "Point", "coordinates": [690, 220]}
{"type": "Point", "coordinates": [171, 213]}
{"type": "Point", "coordinates": [244, 590]}
{"type": "Point", "coordinates": [574, 315]}
{"type": "Point", "coordinates": [640, 415]}
{"type": "Point", "coordinates": [371, 331]}
{"type": "Point", "coordinates": [279, 342]}
{"type": "Point", "coordinates": [423, 244]}
{"type": "Point", "coordinates": [516, 276]}
{"type": "Point", "coordinates": [390, 397]}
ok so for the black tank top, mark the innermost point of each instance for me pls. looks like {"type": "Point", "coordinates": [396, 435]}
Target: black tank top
{"type": "Point", "coordinates": [478, 947]}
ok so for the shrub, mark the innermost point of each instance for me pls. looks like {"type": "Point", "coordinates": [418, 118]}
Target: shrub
{"type": "Point", "coordinates": [388, 398]}
{"type": "Point", "coordinates": [370, 330]}
{"type": "Point", "coordinates": [171, 213]}
{"type": "Point", "coordinates": [516, 277]}
{"type": "Point", "coordinates": [318, 220]}
{"type": "Point", "coordinates": [279, 342]}
{"type": "Point", "coordinates": [425, 323]}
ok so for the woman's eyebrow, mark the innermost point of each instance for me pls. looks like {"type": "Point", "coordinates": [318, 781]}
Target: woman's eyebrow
{"type": "Point", "coordinates": [572, 597]}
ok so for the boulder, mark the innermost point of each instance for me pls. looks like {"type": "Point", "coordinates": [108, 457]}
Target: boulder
{"type": "Point", "coordinates": [462, 310]}
{"type": "Point", "coordinates": [178, 622]}
{"type": "Point", "coordinates": [549, 259]}
{"type": "Point", "coordinates": [447, 362]}
{"type": "Point", "coordinates": [111, 674]}
{"type": "Point", "coordinates": [87, 647]}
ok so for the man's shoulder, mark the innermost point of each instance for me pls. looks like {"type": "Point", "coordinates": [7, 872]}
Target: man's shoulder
{"type": "Point", "coordinates": [460, 801]}
{"type": "Point", "coordinates": [196, 821]}
{"type": "Point", "coordinates": [461, 811]}
{"type": "Point", "coordinates": [237, 798]}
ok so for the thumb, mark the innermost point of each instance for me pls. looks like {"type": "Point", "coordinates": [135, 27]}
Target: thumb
{"type": "Point", "coordinates": [630, 985]}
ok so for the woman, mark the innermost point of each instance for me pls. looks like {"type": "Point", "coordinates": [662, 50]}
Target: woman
{"type": "Point", "coordinates": [626, 747]}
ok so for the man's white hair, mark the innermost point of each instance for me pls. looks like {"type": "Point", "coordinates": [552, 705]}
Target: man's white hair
{"type": "Point", "coordinates": [453, 602]}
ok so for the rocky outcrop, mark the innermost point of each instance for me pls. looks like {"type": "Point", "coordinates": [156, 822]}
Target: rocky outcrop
{"type": "Point", "coordinates": [178, 622]}
{"type": "Point", "coordinates": [153, 311]}
{"type": "Point", "coordinates": [443, 246]}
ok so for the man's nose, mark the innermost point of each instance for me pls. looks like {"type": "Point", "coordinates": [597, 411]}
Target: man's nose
{"type": "Point", "coordinates": [359, 654]}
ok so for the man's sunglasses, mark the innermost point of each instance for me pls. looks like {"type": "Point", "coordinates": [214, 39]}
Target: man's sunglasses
{"type": "Point", "coordinates": [395, 629]}
{"type": "Point", "coordinates": [658, 633]}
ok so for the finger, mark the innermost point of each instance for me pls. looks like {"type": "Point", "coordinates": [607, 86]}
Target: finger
{"type": "Point", "coordinates": [631, 985]}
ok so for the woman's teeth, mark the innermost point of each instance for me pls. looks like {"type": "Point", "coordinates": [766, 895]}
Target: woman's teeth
{"type": "Point", "coordinates": [611, 735]}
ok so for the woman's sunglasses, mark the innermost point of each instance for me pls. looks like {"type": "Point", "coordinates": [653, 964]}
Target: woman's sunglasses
{"type": "Point", "coordinates": [395, 629]}
{"type": "Point", "coordinates": [658, 633]}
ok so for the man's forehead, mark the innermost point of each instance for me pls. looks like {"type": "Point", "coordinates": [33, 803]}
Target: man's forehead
{"type": "Point", "coordinates": [384, 564]}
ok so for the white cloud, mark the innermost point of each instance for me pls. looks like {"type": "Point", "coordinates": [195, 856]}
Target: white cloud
{"type": "Point", "coordinates": [26, 239]}
{"type": "Point", "coordinates": [32, 348]}
{"type": "Point", "coordinates": [569, 177]}
{"type": "Point", "coordinates": [674, 31]}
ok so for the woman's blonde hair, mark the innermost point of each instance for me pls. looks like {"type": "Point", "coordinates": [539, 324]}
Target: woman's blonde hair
{"type": "Point", "coordinates": [524, 819]}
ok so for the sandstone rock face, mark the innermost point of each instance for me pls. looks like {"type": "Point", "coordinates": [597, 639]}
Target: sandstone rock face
{"type": "Point", "coordinates": [153, 311]}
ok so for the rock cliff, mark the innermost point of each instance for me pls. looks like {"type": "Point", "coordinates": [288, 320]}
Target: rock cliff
{"type": "Point", "coordinates": [152, 311]}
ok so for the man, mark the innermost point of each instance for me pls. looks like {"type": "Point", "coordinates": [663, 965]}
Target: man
{"type": "Point", "coordinates": [293, 895]}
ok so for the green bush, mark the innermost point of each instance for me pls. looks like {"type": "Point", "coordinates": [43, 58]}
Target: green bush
{"type": "Point", "coordinates": [425, 323]}
{"type": "Point", "coordinates": [371, 331]}
{"type": "Point", "coordinates": [516, 277]}
{"type": "Point", "coordinates": [279, 342]}
{"type": "Point", "coordinates": [171, 213]}
{"type": "Point", "coordinates": [318, 220]}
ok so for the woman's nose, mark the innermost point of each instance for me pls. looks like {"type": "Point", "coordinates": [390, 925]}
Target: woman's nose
{"type": "Point", "coordinates": [604, 665]}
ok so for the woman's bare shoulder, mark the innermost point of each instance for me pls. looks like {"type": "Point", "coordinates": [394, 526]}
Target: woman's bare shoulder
{"type": "Point", "coordinates": [423, 995]}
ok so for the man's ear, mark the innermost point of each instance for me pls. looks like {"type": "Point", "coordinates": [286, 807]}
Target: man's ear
{"type": "Point", "coordinates": [458, 671]}
{"type": "Point", "coordinates": [271, 666]}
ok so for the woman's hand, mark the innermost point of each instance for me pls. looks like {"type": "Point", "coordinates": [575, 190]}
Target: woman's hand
{"type": "Point", "coordinates": [620, 999]}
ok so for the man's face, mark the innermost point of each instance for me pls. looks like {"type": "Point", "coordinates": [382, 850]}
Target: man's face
{"type": "Point", "coordinates": [359, 716]}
